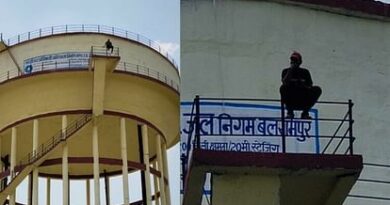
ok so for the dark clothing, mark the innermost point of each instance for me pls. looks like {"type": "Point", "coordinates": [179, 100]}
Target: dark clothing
{"type": "Point", "coordinates": [109, 46]}
{"type": "Point", "coordinates": [296, 77]}
{"type": "Point", "coordinates": [297, 91]}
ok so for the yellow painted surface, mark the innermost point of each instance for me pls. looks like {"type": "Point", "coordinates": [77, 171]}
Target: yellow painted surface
{"type": "Point", "coordinates": [130, 52]}
{"type": "Point", "coordinates": [99, 82]}
{"type": "Point", "coordinates": [72, 90]}
{"type": "Point", "coordinates": [233, 189]}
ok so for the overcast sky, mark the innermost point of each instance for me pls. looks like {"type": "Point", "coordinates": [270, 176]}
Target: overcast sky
{"type": "Point", "coordinates": [155, 19]}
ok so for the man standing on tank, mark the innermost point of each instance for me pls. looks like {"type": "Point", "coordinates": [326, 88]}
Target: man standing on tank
{"type": "Point", "coordinates": [109, 46]}
{"type": "Point", "coordinates": [297, 90]}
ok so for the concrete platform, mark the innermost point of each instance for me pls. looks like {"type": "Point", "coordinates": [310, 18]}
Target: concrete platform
{"type": "Point", "coordinates": [274, 178]}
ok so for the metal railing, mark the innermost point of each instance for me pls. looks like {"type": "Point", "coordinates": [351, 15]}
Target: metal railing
{"type": "Point", "coordinates": [377, 185]}
{"type": "Point", "coordinates": [335, 136]}
{"type": "Point", "coordinates": [146, 71]}
{"type": "Point", "coordinates": [90, 28]}
{"type": "Point", "coordinates": [104, 51]}
{"type": "Point", "coordinates": [47, 146]}
{"type": "Point", "coordinates": [77, 64]}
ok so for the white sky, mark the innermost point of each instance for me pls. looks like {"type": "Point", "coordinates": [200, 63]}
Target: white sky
{"type": "Point", "coordinates": [155, 19]}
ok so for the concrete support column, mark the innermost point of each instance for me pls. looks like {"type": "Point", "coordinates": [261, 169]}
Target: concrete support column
{"type": "Point", "coordinates": [165, 168]}
{"type": "Point", "coordinates": [48, 184]}
{"type": "Point", "coordinates": [88, 192]}
{"type": "Point", "coordinates": [145, 140]}
{"type": "Point", "coordinates": [125, 173]}
{"type": "Point", "coordinates": [162, 171]}
{"type": "Point", "coordinates": [95, 151]}
{"type": "Point", "coordinates": [65, 169]}
{"type": "Point", "coordinates": [13, 164]}
{"type": "Point", "coordinates": [35, 171]}
{"type": "Point", "coordinates": [254, 189]}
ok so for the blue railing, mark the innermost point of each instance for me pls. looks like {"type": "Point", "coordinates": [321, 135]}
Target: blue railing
{"type": "Point", "coordinates": [261, 132]}
{"type": "Point", "coordinates": [89, 28]}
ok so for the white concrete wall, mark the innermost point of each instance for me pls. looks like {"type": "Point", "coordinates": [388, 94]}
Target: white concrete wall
{"type": "Point", "coordinates": [239, 48]}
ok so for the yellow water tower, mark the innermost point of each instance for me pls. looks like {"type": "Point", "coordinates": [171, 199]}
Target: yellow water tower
{"type": "Point", "coordinates": [86, 102]}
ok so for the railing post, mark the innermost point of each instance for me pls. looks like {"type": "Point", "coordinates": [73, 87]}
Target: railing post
{"type": "Point", "coordinates": [28, 35]}
{"type": "Point", "coordinates": [350, 120]}
{"type": "Point", "coordinates": [197, 121]}
{"type": "Point", "coordinates": [283, 127]}
{"type": "Point", "coordinates": [183, 168]}
{"type": "Point", "coordinates": [40, 32]}
{"type": "Point", "coordinates": [52, 30]}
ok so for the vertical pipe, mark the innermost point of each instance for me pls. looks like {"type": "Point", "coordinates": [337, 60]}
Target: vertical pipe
{"type": "Point", "coordinates": [351, 139]}
{"type": "Point", "coordinates": [141, 159]}
{"type": "Point", "coordinates": [95, 150]}
{"type": "Point", "coordinates": [283, 128]}
{"type": "Point", "coordinates": [165, 168]}
{"type": "Point", "coordinates": [125, 173]}
{"type": "Point", "coordinates": [35, 171]}
{"type": "Point", "coordinates": [145, 140]}
{"type": "Point", "coordinates": [65, 177]}
{"type": "Point", "coordinates": [155, 181]}
{"type": "Point", "coordinates": [160, 167]}
{"type": "Point", "coordinates": [197, 122]}
{"type": "Point", "coordinates": [88, 192]}
{"type": "Point", "coordinates": [107, 187]}
{"type": "Point", "coordinates": [48, 184]}
{"type": "Point", "coordinates": [13, 164]}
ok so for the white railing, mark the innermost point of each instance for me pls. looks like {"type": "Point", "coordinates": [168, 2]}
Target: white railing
{"type": "Point", "coordinates": [77, 64]}
{"type": "Point", "coordinates": [89, 28]}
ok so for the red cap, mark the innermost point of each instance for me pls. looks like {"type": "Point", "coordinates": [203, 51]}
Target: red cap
{"type": "Point", "coordinates": [296, 55]}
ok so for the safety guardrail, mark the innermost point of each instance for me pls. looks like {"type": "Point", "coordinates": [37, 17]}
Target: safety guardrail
{"type": "Point", "coordinates": [264, 133]}
{"type": "Point", "coordinates": [77, 64]}
{"type": "Point", "coordinates": [46, 147]}
{"type": "Point", "coordinates": [373, 185]}
{"type": "Point", "coordinates": [104, 51]}
{"type": "Point", "coordinates": [90, 28]}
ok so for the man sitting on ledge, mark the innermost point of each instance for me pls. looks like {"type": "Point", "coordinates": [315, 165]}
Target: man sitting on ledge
{"type": "Point", "coordinates": [297, 90]}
